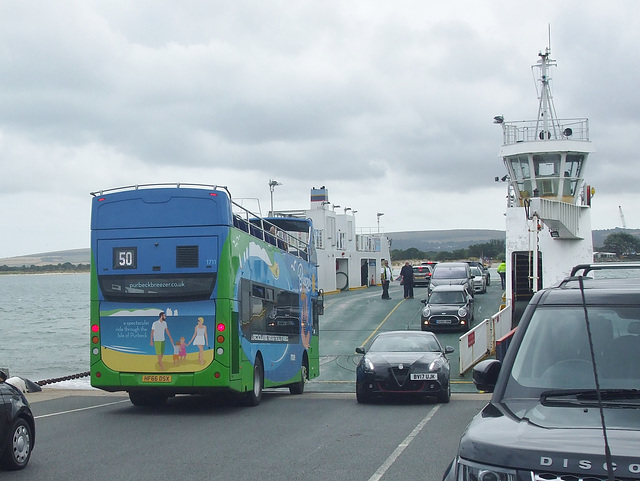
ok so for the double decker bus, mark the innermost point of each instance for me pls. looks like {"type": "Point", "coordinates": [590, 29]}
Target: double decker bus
{"type": "Point", "coordinates": [192, 293]}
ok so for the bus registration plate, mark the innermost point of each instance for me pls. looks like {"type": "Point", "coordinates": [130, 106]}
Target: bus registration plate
{"type": "Point", "coordinates": [432, 376]}
{"type": "Point", "coordinates": [156, 378]}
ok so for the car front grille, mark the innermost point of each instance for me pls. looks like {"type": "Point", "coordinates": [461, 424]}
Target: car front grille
{"type": "Point", "coordinates": [443, 320]}
{"type": "Point", "coordinates": [397, 380]}
{"type": "Point", "coordinates": [570, 477]}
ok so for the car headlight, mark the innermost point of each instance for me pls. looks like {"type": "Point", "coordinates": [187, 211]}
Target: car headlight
{"type": "Point", "coordinates": [462, 312]}
{"type": "Point", "coordinates": [367, 365]}
{"type": "Point", "coordinates": [468, 471]}
{"type": "Point", "coordinates": [436, 365]}
{"type": "Point", "coordinates": [426, 312]}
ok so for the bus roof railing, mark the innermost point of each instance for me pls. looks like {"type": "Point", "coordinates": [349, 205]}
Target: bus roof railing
{"type": "Point", "coordinates": [288, 243]}
{"type": "Point", "coordinates": [177, 185]}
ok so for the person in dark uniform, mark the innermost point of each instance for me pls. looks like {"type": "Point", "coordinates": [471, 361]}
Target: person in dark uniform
{"type": "Point", "coordinates": [386, 276]}
{"type": "Point", "coordinates": [406, 273]}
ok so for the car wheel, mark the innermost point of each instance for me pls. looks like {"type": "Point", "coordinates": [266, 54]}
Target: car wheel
{"type": "Point", "coordinates": [254, 396]}
{"type": "Point", "coordinates": [298, 387]}
{"type": "Point", "coordinates": [18, 450]}
{"type": "Point", "coordinates": [445, 396]}
{"type": "Point", "coordinates": [362, 396]}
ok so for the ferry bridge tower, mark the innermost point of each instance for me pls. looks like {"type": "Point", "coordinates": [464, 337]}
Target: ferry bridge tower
{"type": "Point", "coordinates": [548, 214]}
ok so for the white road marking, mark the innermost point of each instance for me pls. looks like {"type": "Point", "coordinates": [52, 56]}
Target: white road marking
{"type": "Point", "coordinates": [402, 446]}
{"type": "Point", "coordinates": [81, 409]}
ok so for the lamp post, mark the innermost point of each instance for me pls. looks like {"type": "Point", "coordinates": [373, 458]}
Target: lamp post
{"type": "Point", "coordinates": [379, 214]}
{"type": "Point", "coordinates": [272, 185]}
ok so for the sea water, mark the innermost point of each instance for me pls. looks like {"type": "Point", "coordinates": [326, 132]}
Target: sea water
{"type": "Point", "coordinates": [44, 325]}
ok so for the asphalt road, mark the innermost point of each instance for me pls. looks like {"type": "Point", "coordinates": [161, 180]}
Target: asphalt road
{"type": "Point", "coordinates": [323, 434]}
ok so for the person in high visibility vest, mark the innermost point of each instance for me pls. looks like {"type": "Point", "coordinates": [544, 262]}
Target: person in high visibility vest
{"type": "Point", "coordinates": [502, 271]}
{"type": "Point", "coordinates": [386, 276]}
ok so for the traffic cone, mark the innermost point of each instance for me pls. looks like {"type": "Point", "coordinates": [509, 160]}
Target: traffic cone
{"type": "Point", "coordinates": [373, 281]}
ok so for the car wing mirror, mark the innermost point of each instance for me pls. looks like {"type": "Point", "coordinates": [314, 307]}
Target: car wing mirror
{"type": "Point", "coordinates": [485, 374]}
{"type": "Point", "coordinates": [424, 301]}
{"type": "Point", "coordinates": [360, 350]}
{"type": "Point", "coordinates": [449, 350]}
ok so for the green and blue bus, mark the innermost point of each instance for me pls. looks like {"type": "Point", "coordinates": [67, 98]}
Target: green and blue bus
{"type": "Point", "coordinates": [192, 293]}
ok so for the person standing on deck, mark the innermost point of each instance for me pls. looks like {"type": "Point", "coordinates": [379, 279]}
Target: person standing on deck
{"type": "Point", "coordinates": [502, 271]}
{"type": "Point", "coordinates": [407, 280]}
{"type": "Point", "coordinates": [386, 276]}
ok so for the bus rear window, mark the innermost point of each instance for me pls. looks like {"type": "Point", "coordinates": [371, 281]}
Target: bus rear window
{"type": "Point", "coordinates": [142, 287]}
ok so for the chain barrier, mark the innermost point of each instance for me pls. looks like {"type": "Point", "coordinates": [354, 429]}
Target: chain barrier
{"type": "Point", "coordinates": [65, 378]}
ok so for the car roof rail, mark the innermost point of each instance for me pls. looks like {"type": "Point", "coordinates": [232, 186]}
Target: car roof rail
{"type": "Point", "coordinates": [602, 266]}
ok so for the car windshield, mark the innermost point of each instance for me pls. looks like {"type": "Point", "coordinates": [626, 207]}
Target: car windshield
{"type": "Point", "coordinates": [555, 352]}
{"type": "Point", "coordinates": [405, 344]}
{"type": "Point", "coordinates": [446, 297]}
{"type": "Point", "coordinates": [475, 271]}
{"type": "Point", "coordinates": [442, 272]}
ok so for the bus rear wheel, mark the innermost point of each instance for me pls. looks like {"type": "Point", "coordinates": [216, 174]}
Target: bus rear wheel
{"type": "Point", "coordinates": [254, 396]}
{"type": "Point", "coordinates": [298, 387]}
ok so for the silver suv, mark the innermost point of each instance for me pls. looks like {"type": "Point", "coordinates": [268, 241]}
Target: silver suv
{"type": "Point", "coordinates": [452, 274]}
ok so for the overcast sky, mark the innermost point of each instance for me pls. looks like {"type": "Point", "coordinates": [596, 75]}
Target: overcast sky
{"type": "Point", "coordinates": [390, 105]}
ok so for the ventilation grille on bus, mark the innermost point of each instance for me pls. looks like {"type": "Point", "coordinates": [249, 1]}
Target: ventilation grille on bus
{"type": "Point", "coordinates": [187, 256]}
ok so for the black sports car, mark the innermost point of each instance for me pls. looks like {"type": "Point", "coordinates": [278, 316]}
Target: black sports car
{"type": "Point", "coordinates": [17, 427]}
{"type": "Point", "coordinates": [403, 363]}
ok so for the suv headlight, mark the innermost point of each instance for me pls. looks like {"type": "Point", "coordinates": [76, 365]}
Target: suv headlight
{"type": "Point", "coordinates": [468, 471]}
{"type": "Point", "coordinates": [462, 312]}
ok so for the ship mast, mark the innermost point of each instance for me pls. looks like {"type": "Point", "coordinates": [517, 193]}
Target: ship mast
{"type": "Point", "coordinates": [546, 123]}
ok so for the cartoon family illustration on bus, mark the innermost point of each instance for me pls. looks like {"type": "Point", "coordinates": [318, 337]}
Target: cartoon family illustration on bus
{"type": "Point", "coordinates": [160, 327]}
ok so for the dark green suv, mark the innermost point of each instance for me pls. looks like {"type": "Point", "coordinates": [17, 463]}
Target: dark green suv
{"type": "Point", "coordinates": [566, 398]}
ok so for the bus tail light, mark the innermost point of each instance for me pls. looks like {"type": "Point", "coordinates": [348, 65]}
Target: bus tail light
{"type": "Point", "coordinates": [220, 339]}
{"type": "Point", "coordinates": [220, 327]}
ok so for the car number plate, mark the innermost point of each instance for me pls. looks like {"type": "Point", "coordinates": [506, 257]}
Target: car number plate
{"type": "Point", "coordinates": [432, 376]}
{"type": "Point", "coordinates": [444, 321]}
{"type": "Point", "coordinates": [156, 378]}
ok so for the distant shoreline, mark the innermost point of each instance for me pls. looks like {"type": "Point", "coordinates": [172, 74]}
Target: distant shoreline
{"type": "Point", "coordinates": [46, 269]}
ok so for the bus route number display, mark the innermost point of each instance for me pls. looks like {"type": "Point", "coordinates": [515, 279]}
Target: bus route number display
{"type": "Point", "coordinates": [125, 257]}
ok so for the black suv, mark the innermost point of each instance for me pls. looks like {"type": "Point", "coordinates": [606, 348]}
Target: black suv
{"type": "Point", "coordinates": [570, 376]}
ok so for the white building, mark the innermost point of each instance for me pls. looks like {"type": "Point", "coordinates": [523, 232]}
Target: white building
{"type": "Point", "coordinates": [347, 258]}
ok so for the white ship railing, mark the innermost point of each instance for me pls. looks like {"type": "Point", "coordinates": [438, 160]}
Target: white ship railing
{"type": "Point", "coordinates": [532, 130]}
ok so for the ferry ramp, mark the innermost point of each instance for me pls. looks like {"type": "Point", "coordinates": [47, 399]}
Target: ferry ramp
{"type": "Point", "coordinates": [353, 318]}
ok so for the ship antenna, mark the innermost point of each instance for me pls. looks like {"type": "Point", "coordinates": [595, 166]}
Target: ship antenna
{"type": "Point", "coordinates": [546, 125]}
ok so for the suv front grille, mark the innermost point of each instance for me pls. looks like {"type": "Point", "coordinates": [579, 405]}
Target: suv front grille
{"type": "Point", "coordinates": [570, 477]}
